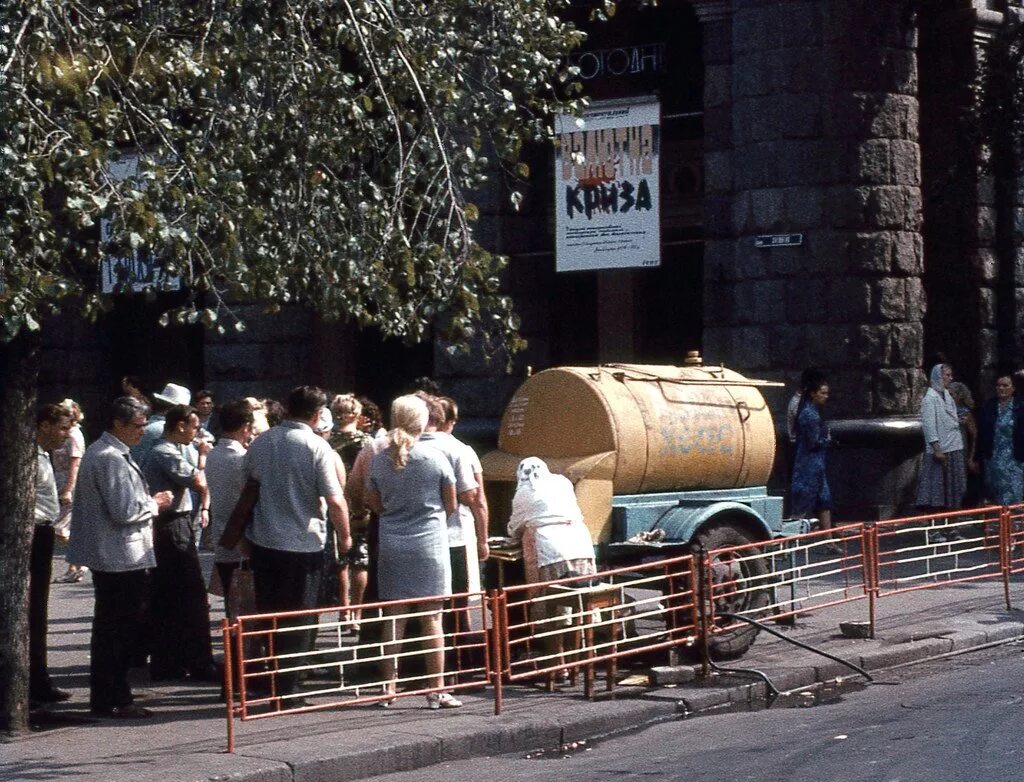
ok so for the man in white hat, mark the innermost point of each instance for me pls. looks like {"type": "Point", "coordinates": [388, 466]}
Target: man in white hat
{"type": "Point", "coordinates": [172, 395]}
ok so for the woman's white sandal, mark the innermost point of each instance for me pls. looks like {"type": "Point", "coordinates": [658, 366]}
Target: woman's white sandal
{"type": "Point", "coordinates": [442, 700]}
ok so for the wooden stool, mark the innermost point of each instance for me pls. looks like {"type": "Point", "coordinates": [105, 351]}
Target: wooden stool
{"type": "Point", "coordinates": [586, 602]}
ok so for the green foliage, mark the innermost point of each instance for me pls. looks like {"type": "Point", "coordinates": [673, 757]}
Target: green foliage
{"type": "Point", "coordinates": [315, 151]}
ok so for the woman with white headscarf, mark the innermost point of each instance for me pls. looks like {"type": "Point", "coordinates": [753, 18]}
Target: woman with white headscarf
{"type": "Point", "coordinates": [943, 477]}
{"type": "Point", "coordinates": [556, 542]}
{"type": "Point", "coordinates": [546, 516]}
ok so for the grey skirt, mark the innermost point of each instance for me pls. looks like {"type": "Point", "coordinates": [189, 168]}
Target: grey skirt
{"type": "Point", "coordinates": [942, 485]}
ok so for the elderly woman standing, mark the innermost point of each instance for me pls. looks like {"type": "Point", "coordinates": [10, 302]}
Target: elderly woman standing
{"type": "Point", "coordinates": [556, 542]}
{"type": "Point", "coordinates": [943, 478]}
{"type": "Point", "coordinates": [1001, 444]}
{"type": "Point", "coordinates": [411, 488]}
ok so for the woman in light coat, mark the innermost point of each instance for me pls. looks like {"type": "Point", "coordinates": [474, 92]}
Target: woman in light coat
{"type": "Point", "coordinates": [943, 478]}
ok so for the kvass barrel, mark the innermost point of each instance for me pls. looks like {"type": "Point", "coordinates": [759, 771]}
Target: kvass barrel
{"type": "Point", "coordinates": [645, 428]}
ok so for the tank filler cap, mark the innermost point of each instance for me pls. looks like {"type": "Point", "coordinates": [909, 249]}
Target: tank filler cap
{"type": "Point", "coordinates": [693, 359]}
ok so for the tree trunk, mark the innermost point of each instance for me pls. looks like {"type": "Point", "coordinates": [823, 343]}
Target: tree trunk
{"type": "Point", "coordinates": [19, 374]}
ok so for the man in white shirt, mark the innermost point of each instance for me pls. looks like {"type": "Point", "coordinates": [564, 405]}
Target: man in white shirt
{"type": "Point", "coordinates": [288, 469]}
{"type": "Point", "coordinates": [53, 423]}
{"type": "Point", "coordinates": [475, 515]}
{"type": "Point", "coordinates": [225, 479]}
{"type": "Point", "coordinates": [464, 546]}
{"type": "Point", "coordinates": [466, 487]}
{"type": "Point", "coordinates": [112, 534]}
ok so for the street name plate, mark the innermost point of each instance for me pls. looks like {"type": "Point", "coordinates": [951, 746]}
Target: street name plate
{"type": "Point", "coordinates": [779, 240]}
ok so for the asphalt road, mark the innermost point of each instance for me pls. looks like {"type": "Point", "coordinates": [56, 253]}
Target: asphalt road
{"type": "Point", "coordinates": [959, 719]}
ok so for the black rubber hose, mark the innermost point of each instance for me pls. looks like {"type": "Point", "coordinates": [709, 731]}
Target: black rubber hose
{"type": "Point", "coordinates": [801, 644]}
{"type": "Point", "coordinates": [773, 691]}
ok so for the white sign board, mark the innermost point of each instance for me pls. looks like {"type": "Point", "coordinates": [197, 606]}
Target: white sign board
{"type": "Point", "coordinates": [606, 186]}
{"type": "Point", "coordinates": [137, 272]}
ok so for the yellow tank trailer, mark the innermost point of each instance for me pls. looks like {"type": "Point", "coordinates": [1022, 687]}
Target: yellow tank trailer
{"type": "Point", "coordinates": [661, 458]}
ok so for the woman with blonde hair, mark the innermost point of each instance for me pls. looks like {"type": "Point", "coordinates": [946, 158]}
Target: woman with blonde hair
{"type": "Point", "coordinates": [348, 440]}
{"type": "Point", "coordinates": [411, 488]}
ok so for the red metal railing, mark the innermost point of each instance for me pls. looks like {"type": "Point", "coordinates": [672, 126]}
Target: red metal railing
{"type": "Point", "coordinates": [924, 552]}
{"type": "Point", "coordinates": [540, 633]}
{"type": "Point", "coordinates": [559, 628]}
{"type": "Point", "coordinates": [341, 670]}
{"type": "Point", "coordinates": [1014, 539]}
{"type": "Point", "coordinates": [785, 577]}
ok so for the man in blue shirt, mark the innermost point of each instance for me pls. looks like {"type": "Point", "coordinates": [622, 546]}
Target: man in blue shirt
{"type": "Point", "coordinates": [179, 609]}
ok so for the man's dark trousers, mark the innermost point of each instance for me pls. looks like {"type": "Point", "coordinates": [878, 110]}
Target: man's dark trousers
{"type": "Point", "coordinates": [119, 635]}
{"type": "Point", "coordinates": [288, 581]}
{"type": "Point", "coordinates": [40, 571]}
{"type": "Point", "coordinates": [180, 633]}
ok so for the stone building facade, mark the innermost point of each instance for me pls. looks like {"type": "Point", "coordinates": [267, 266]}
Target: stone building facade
{"type": "Point", "coordinates": [851, 123]}
{"type": "Point", "coordinates": [847, 122]}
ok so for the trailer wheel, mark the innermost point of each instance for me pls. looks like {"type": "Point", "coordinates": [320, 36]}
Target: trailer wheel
{"type": "Point", "coordinates": [725, 568]}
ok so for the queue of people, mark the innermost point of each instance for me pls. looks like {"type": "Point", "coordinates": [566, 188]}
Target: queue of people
{"type": "Point", "coordinates": [137, 503]}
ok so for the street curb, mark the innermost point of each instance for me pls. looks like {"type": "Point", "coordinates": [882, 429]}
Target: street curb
{"type": "Point", "coordinates": [356, 755]}
{"type": "Point", "coordinates": [401, 740]}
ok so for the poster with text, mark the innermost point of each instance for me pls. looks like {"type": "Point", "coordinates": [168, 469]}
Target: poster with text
{"type": "Point", "coordinates": [606, 187]}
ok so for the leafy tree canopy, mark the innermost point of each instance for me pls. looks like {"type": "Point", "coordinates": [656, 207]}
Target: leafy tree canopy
{"type": "Point", "coordinates": [315, 151]}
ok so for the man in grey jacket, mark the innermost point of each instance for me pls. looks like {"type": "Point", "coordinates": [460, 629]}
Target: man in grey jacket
{"type": "Point", "coordinates": [112, 534]}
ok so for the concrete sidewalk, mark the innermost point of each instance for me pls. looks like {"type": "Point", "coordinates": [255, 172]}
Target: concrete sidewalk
{"type": "Point", "coordinates": [185, 741]}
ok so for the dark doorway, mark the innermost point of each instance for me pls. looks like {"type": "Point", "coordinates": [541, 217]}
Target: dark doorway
{"type": "Point", "coordinates": [156, 354]}
{"type": "Point", "coordinates": [385, 368]}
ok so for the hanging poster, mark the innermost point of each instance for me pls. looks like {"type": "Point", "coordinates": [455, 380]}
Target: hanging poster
{"type": "Point", "coordinates": [606, 186]}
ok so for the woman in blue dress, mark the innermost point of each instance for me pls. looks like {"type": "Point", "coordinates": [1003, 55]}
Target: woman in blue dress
{"type": "Point", "coordinates": [1001, 445]}
{"type": "Point", "coordinates": [411, 488]}
{"type": "Point", "coordinates": [809, 492]}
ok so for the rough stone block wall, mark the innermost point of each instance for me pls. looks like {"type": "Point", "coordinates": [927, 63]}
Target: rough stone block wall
{"type": "Point", "coordinates": [75, 359]}
{"type": "Point", "coordinates": [268, 359]}
{"type": "Point", "coordinates": [824, 142]}
{"type": "Point", "coordinates": [963, 269]}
